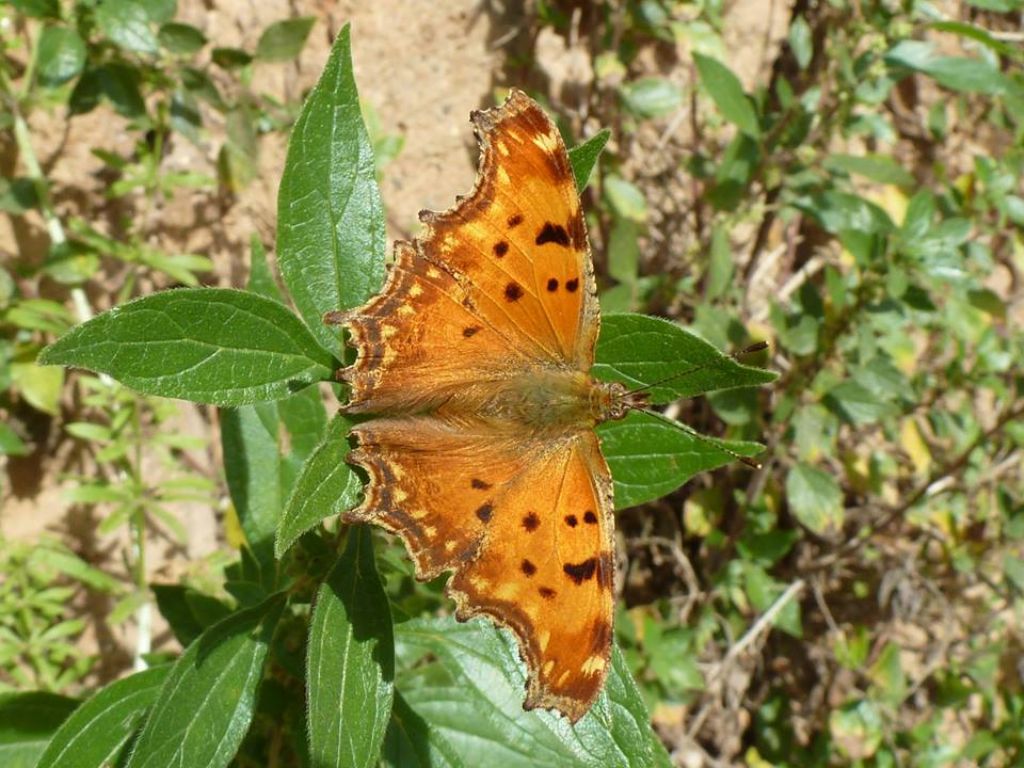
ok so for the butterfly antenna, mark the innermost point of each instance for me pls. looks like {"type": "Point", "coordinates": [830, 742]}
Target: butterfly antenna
{"type": "Point", "coordinates": [705, 439]}
{"type": "Point", "coordinates": [758, 347]}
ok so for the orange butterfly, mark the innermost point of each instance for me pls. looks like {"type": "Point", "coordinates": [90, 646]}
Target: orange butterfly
{"type": "Point", "coordinates": [483, 458]}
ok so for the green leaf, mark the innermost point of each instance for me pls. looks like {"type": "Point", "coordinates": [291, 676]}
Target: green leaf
{"type": "Point", "coordinates": [330, 243]}
{"type": "Point", "coordinates": [725, 90]}
{"type": "Point", "coordinates": [96, 732]}
{"type": "Point", "coordinates": [815, 499]}
{"type": "Point", "coordinates": [208, 699]}
{"type": "Point", "coordinates": [126, 24]}
{"type": "Point", "coordinates": [38, 9]}
{"type": "Point", "coordinates": [412, 742]}
{"type": "Point", "coordinates": [880, 168]}
{"type": "Point", "coordinates": [118, 83]}
{"type": "Point", "coordinates": [208, 345]}
{"type": "Point", "coordinates": [18, 195]}
{"type": "Point", "coordinates": [857, 404]}
{"type": "Point", "coordinates": [230, 58]}
{"type": "Point", "coordinates": [650, 456]}
{"type": "Point", "coordinates": [11, 443]}
{"type": "Point", "coordinates": [252, 466]}
{"type": "Point", "coordinates": [60, 55]}
{"type": "Point", "coordinates": [801, 41]}
{"type": "Point", "coordinates": [583, 157]}
{"type": "Point", "coordinates": [626, 199]}
{"type": "Point", "coordinates": [720, 265]}
{"type": "Point", "coordinates": [326, 486]}
{"type": "Point", "coordinates": [159, 11]}
{"type": "Point", "coordinates": [478, 710]}
{"type": "Point", "coordinates": [261, 277]}
{"type": "Point", "coordinates": [38, 385]}
{"type": "Point", "coordinates": [640, 350]}
{"type": "Point", "coordinates": [652, 97]}
{"type": "Point", "coordinates": [284, 40]}
{"type": "Point", "coordinates": [27, 722]}
{"type": "Point", "coordinates": [181, 39]}
{"type": "Point", "coordinates": [351, 660]}
{"type": "Point", "coordinates": [188, 611]}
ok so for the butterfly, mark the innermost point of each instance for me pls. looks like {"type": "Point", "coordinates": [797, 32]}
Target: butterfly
{"type": "Point", "coordinates": [481, 453]}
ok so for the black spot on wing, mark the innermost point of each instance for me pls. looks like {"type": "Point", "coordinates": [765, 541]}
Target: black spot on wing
{"type": "Point", "coordinates": [470, 330]}
{"type": "Point", "coordinates": [515, 220]}
{"type": "Point", "coordinates": [580, 572]}
{"type": "Point", "coordinates": [572, 285]}
{"type": "Point", "coordinates": [553, 233]}
{"type": "Point", "coordinates": [485, 512]}
{"type": "Point", "coordinates": [531, 522]}
{"type": "Point", "coordinates": [589, 517]}
{"type": "Point", "coordinates": [547, 592]}
{"type": "Point", "coordinates": [528, 568]}
{"type": "Point", "coordinates": [500, 248]}
{"type": "Point", "coordinates": [571, 521]}
{"type": "Point", "coordinates": [552, 284]}
{"type": "Point", "coordinates": [480, 485]}
{"type": "Point", "coordinates": [513, 291]}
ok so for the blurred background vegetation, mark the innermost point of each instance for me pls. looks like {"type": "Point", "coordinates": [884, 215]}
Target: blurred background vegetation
{"type": "Point", "coordinates": [842, 178]}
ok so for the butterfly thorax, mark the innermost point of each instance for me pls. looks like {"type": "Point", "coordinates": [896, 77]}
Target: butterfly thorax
{"type": "Point", "coordinates": [544, 401]}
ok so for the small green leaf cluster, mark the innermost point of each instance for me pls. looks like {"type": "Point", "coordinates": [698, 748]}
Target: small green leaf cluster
{"type": "Point", "coordinates": [309, 653]}
{"type": "Point", "coordinates": [37, 629]}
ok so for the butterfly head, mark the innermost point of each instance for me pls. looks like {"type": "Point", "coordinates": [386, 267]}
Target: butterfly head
{"type": "Point", "coordinates": [611, 401]}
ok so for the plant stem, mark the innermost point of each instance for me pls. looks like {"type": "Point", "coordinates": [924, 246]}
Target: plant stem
{"type": "Point", "coordinates": [143, 614]}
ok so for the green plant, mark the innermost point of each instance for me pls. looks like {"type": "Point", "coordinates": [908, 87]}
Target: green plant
{"type": "Point", "coordinates": [134, 59]}
{"type": "Point", "coordinates": [37, 634]}
{"type": "Point", "coordinates": [310, 619]}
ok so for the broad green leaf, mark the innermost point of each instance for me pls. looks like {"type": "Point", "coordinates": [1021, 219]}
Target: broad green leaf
{"type": "Point", "coordinates": [252, 465]}
{"type": "Point", "coordinates": [815, 499]}
{"type": "Point", "coordinates": [412, 742]}
{"type": "Point", "coordinates": [208, 345]}
{"type": "Point", "coordinates": [126, 24]}
{"type": "Point", "coordinates": [330, 243]}
{"type": "Point", "coordinates": [650, 456]}
{"type": "Point", "coordinates": [651, 97]}
{"type": "Point", "coordinates": [583, 157]}
{"type": "Point", "coordinates": [640, 350]}
{"type": "Point", "coordinates": [96, 732]}
{"type": "Point", "coordinates": [351, 660]}
{"type": "Point", "coordinates": [325, 487]}
{"type": "Point", "coordinates": [182, 39]}
{"type": "Point", "coordinates": [60, 55]}
{"type": "Point", "coordinates": [726, 91]}
{"type": "Point", "coordinates": [27, 723]}
{"type": "Point", "coordinates": [478, 708]}
{"type": "Point", "coordinates": [880, 168]}
{"type": "Point", "coordinates": [207, 702]}
{"type": "Point", "coordinates": [284, 40]}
